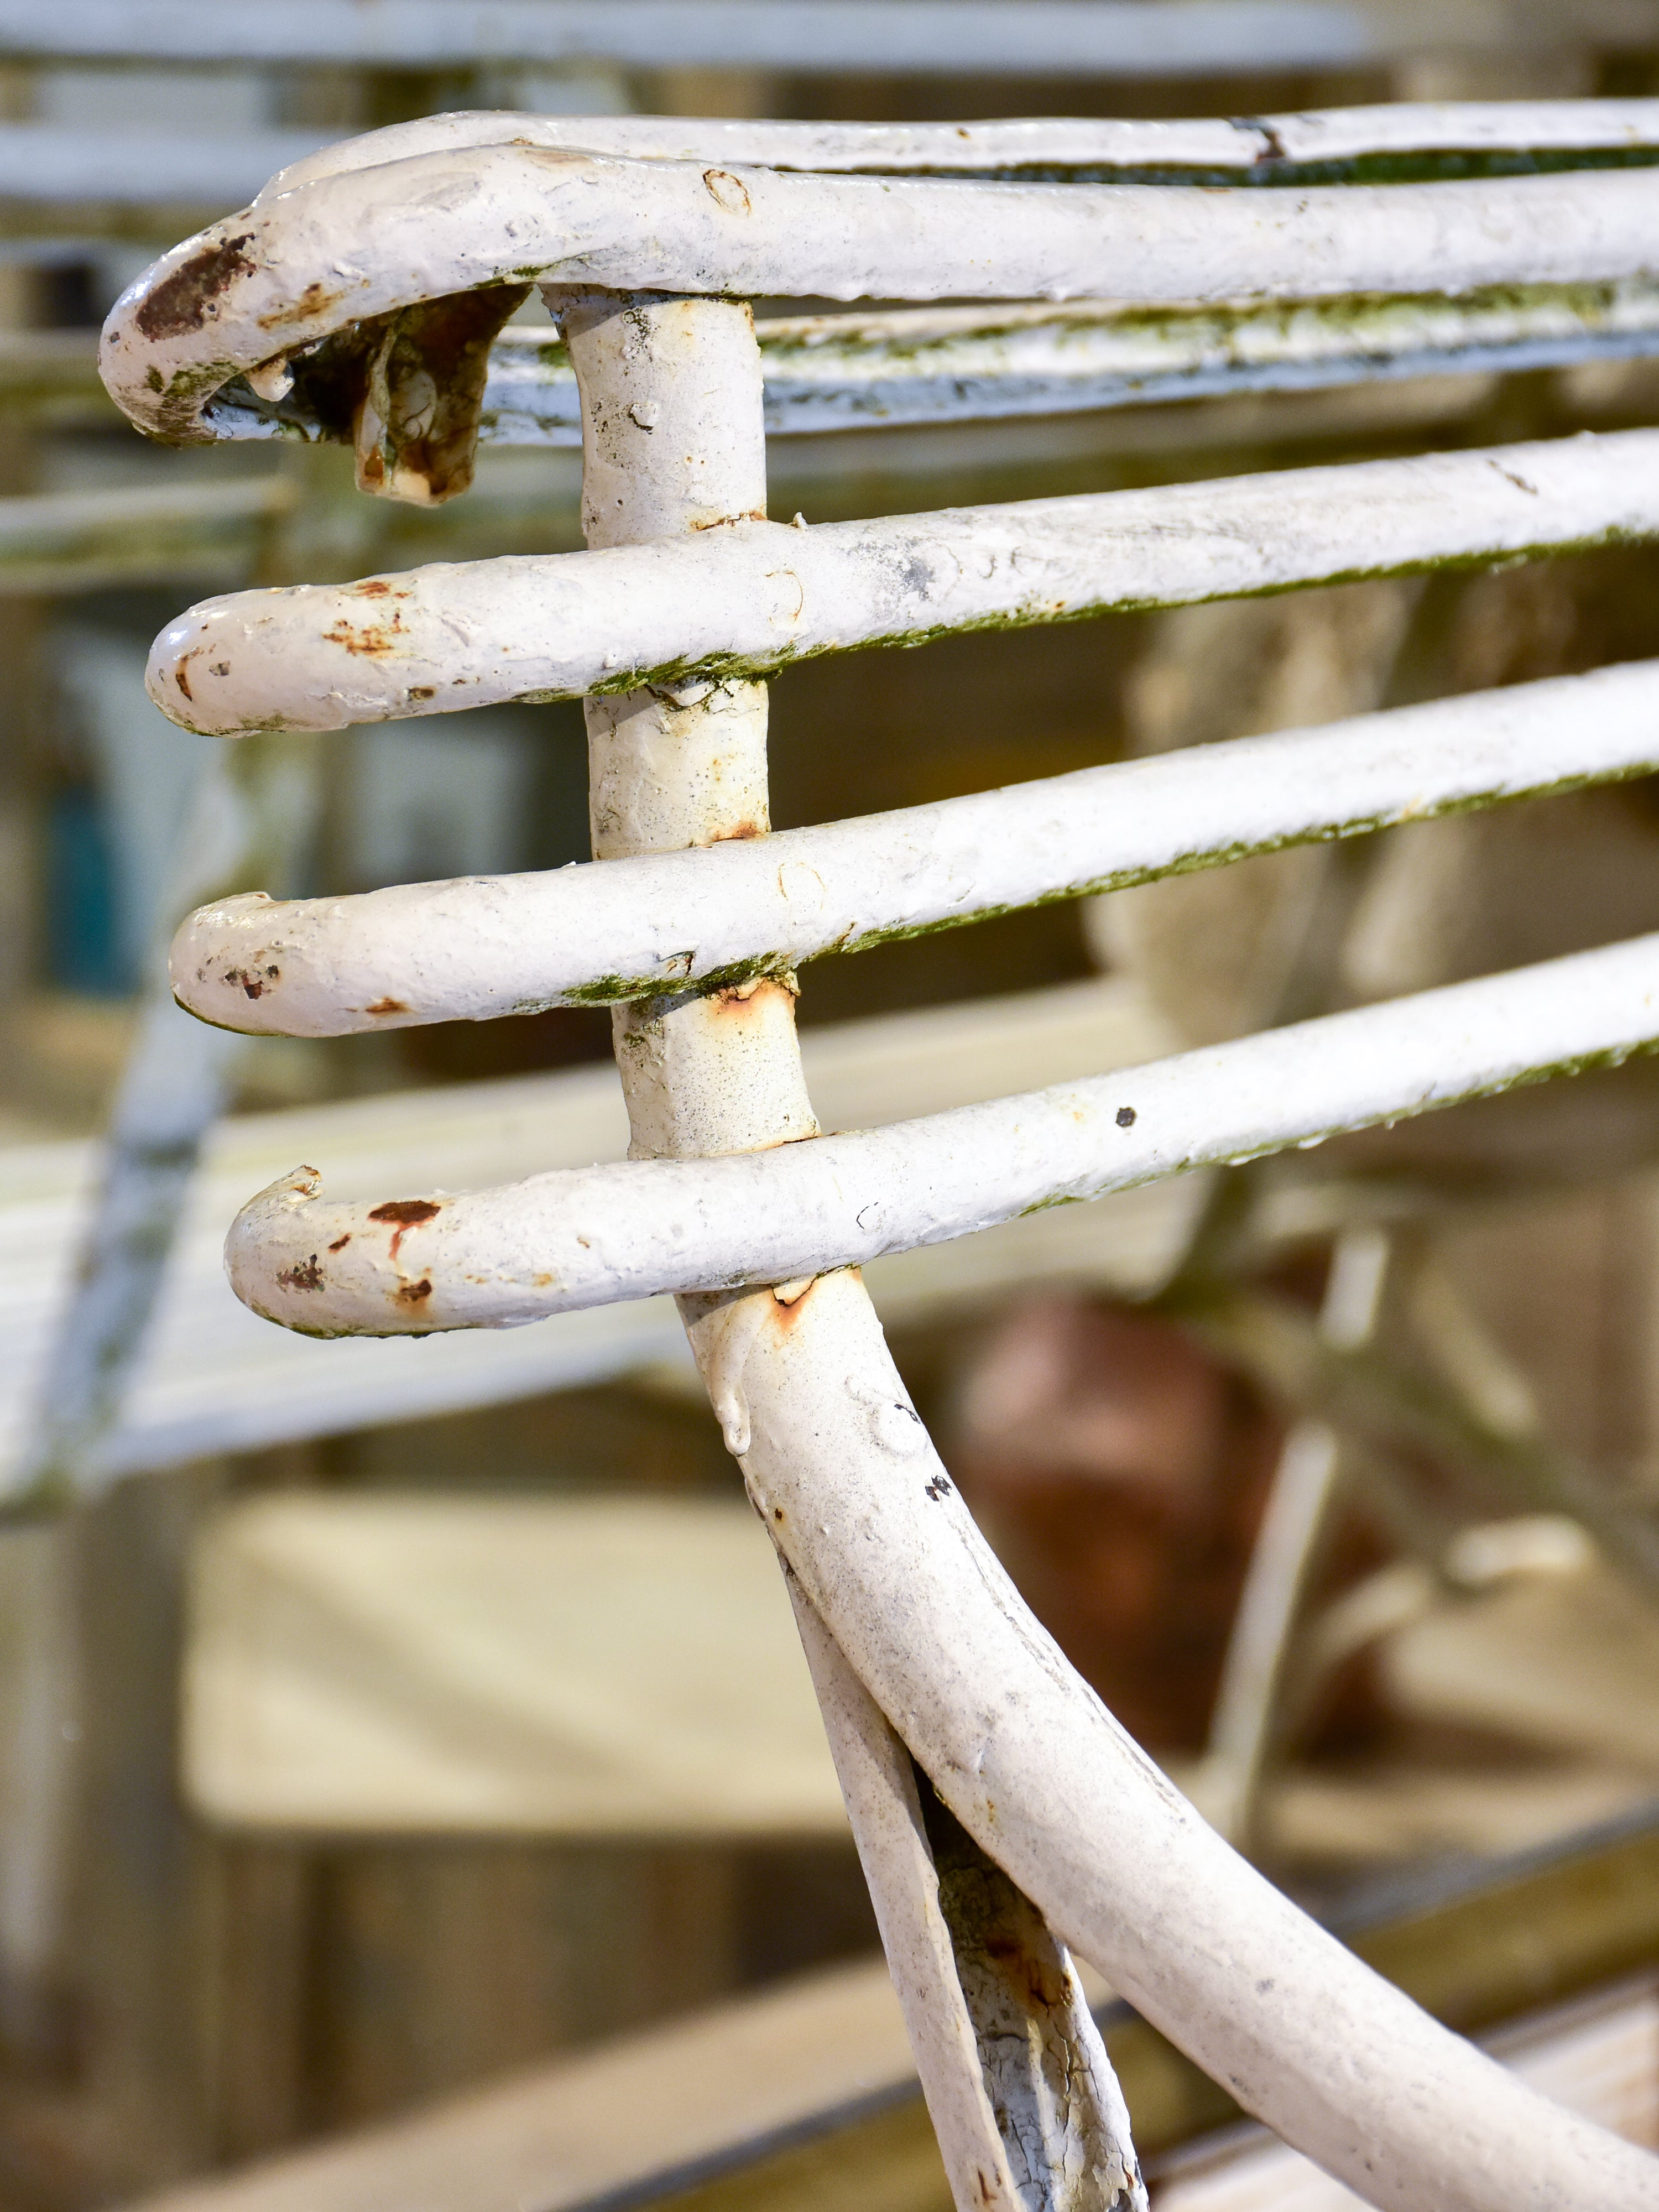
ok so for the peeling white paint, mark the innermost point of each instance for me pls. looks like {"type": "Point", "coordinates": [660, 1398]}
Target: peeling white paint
{"type": "Point", "coordinates": [481, 946]}
{"type": "Point", "coordinates": [584, 1236]}
{"type": "Point", "coordinates": [729, 1186]}
{"type": "Point", "coordinates": [753, 596]}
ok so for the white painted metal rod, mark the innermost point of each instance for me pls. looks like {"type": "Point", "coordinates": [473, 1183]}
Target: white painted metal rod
{"type": "Point", "coordinates": [955, 364]}
{"type": "Point", "coordinates": [1345, 2067]}
{"type": "Point", "coordinates": [750, 597]}
{"type": "Point", "coordinates": [589, 1237]}
{"type": "Point", "coordinates": [482, 946]}
{"type": "Point", "coordinates": [43, 164]}
{"type": "Point", "coordinates": [320, 257]}
{"type": "Point", "coordinates": [1252, 149]}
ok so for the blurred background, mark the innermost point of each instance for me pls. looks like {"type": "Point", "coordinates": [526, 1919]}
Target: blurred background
{"type": "Point", "coordinates": [378, 1720]}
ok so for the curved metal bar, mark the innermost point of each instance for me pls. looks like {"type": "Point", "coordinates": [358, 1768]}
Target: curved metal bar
{"type": "Point", "coordinates": [748, 598]}
{"type": "Point", "coordinates": [835, 1458]}
{"type": "Point", "coordinates": [589, 1236]}
{"type": "Point", "coordinates": [328, 256]}
{"type": "Point", "coordinates": [479, 947]}
{"type": "Point", "coordinates": [1248, 149]}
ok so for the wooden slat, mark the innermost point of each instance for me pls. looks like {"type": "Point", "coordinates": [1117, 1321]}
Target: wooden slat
{"type": "Point", "coordinates": [557, 1667]}
{"type": "Point", "coordinates": [668, 2103]}
{"type": "Point", "coordinates": [802, 2100]}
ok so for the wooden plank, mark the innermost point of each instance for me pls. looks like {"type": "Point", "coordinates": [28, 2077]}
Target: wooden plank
{"type": "Point", "coordinates": [557, 1667]}
{"type": "Point", "coordinates": [802, 2100]}
{"type": "Point", "coordinates": [667, 2101]}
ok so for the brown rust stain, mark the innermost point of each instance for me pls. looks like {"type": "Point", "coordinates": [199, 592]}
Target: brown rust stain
{"type": "Point", "coordinates": [374, 640]}
{"type": "Point", "coordinates": [406, 1214]}
{"type": "Point", "coordinates": [183, 301]}
{"type": "Point", "coordinates": [1041, 1987]}
{"type": "Point", "coordinates": [255, 982]}
{"type": "Point", "coordinates": [181, 679]}
{"type": "Point", "coordinates": [315, 299]}
{"type": "Point", "coordinates": [726, 190]}
{"type": "Point", "coordinates": [784, 1317]}
{"type": "Point", "coordinates": [412, 1294]}
{"type": "Point", "coordinates": [306, 1276]}
{"type": "Point", "coordinates": [374, 588]}
{"type": "Point", "coordinates": [424, 374]}
{"type": "Point", "coordinates": [386, 1006]}
{"type": "Point", "coordinates": [741, 1002]}
{"type": "Point", "coordinates": [741, 830]}
{"type": "Point", "coordinates": [340, 1243]}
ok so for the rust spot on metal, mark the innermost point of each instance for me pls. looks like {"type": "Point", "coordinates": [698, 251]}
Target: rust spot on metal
{"type": "Point", "coordinates": [411, 1294]}
{"type": "Point", "coordinates": [419, 691]}
{"type": "Point", "coordinates": [373, 588]}
{"type": "Point", "coordinates": [407, 1211]}
{"type": "Point", "coordinates": [255, 982]}
{"type": "Point", "coordinates": [785, 1313]}
{"type": "Point", "coordinates": [406, 1214]}
{"type": "Point", "coordinates": [726, 190]}
{"type": "Point", "coordinates": [340, 1243]}
{"type": "Point", "coordinates": [306, 1276]}
{"type": "Point", "coordinates": [315, 299]}
{"type": "Point", "coordinates": [183, 301]}
{"type": "Point", "coordinates": [386, 1006]}
{"type": "Point", "coordinates": [744, 829]}
{"type": "Point", "coordinates": [748, 1001]}
{"type": "Point", "coordinates": [374, 640]}
{"type": "Point", "coordinates": [181, 679]}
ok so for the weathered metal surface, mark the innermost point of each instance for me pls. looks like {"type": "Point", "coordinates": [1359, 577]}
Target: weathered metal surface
{"type": "Point", "coordinates": [1247, 150]}
{"type": "Point", "coordinates": [962, 364]}
{"type": "Point", "coordinates": [482, 946]}
{"type": "Point", "coordinates": [909, 366]}
{"type": "Point", "coordinates": [760, 1241]}
{"type": "Point", "coordinates": [754, 596]}
{"type": "Point", "coordinates": [580, 1237]}
{"type": "Point", "coordinates": [1023, 2099]}
{"type": "Point", "coordinates": [325, 257]}
{"type": "Point", "coordinates": [214, 1379]}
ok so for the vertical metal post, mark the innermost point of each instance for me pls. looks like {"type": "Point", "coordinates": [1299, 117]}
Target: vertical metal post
{"type": "Point", "coordinates": [1027, 2109]}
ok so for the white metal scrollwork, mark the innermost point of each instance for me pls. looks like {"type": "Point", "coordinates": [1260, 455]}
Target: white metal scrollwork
{"type": "Point", "coordinates": [1002, 1814]}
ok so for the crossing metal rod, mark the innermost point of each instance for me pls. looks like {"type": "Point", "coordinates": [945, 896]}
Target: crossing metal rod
{"type": "Point", "coordinates": [1017, 2079]}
